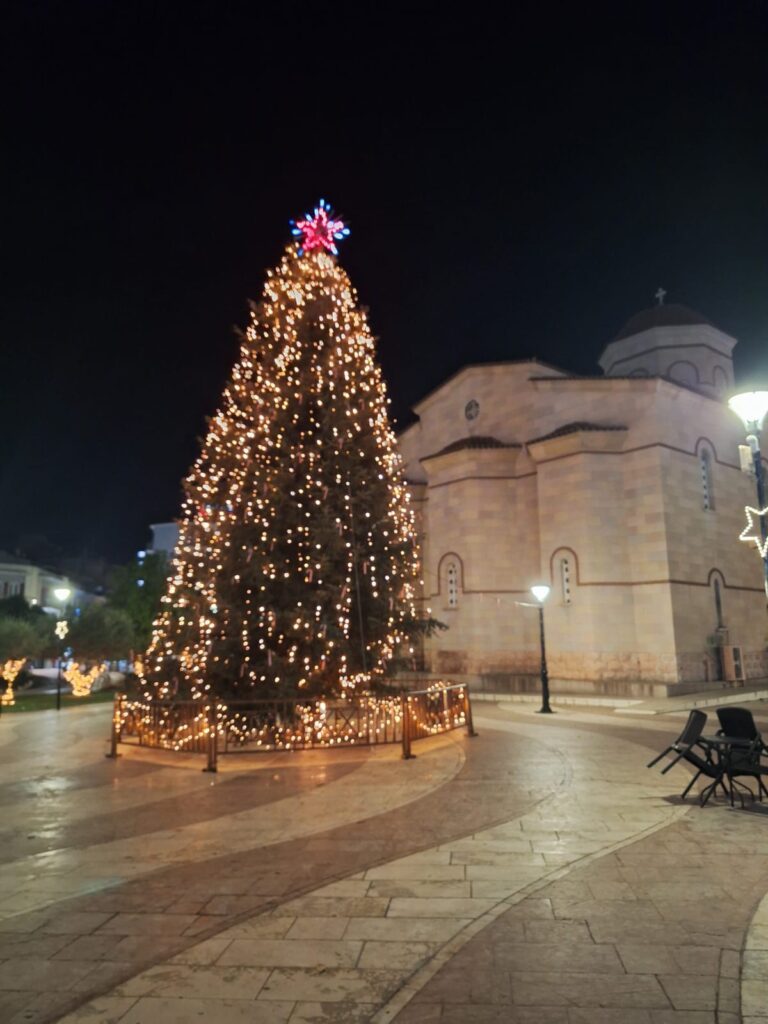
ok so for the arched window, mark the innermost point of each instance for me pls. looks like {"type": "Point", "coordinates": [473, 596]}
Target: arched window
{"type": "Point", "coordinates": [684, 373]}
{"type": "Point", "coordinates": [716, 580]}
{"type": "Point", "coordinates": [452, 579]}
{"type": "Point", "coordinates": [719, 379]}
{"type": "Point", "coordinates": [718, 604]}
{"type": "Point", "coordinates": [564, 574]}
{"type": "Point", "coordinates": [565, 580]}
{"type": "Point", "coordinates": [707, 492]}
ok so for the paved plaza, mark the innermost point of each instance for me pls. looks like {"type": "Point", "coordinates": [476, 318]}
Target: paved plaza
{"type": "Point", "coordinates": [535, 874]}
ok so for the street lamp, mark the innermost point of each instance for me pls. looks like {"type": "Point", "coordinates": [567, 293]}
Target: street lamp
{"type": "Point", "coordinates": [541, 593]}
{"type": "Point", "coordinates": [62, 628]}
{"type": "Point", "coordinates": [752, 407]}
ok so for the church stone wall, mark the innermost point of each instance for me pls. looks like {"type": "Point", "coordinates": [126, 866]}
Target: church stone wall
{"type": "Point", "coordinates": [703, 542]}
{"type": "Point", "coordinates": [625, 507]}
{"type": "Point", "coordinates": [484, 515]}
{"type": "Point", "coordinates": [618, 625]}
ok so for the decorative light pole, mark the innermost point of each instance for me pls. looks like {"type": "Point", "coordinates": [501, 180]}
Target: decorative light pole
{"type": "Point", "coordinates": [541, 593]}
{"type": "Point", "coordinates": [751, 407]}
{"type": "Point", "coordinates": [62, 628]}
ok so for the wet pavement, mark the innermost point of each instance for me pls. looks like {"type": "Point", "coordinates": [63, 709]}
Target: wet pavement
{"type": "Point", "coordinates": [536, 872]}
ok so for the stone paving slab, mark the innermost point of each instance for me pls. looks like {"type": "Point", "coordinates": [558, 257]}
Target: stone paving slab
{"type": "Point", "coordinates": [753, 690]}
{"type": "Point", "coordinates": [374, 941]}
{"type": "Point", "coordinates": [177, 879]}
{"type": "Point", "coordinates": [592, 895]}
{"type": "Point", "coordinates": [695, 974]}
{"type": "Point", "coordinates": [754, 975]}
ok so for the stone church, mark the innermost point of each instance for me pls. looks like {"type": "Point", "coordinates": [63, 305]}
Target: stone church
{"type": "Point", "coordinates": [622, 491]}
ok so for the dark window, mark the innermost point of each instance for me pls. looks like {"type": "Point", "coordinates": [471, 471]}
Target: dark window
{"type": "Point", "coordinates": [719, 605]}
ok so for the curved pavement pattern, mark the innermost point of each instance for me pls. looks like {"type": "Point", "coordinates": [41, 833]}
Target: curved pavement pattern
{"type": "Point", "coordinates": [535, 873]}
{"type": "Point", "coordinates": [754, 978]}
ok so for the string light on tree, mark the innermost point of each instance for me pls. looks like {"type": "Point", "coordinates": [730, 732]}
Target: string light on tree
{"type": "Point", "coordinates": [296, 566]}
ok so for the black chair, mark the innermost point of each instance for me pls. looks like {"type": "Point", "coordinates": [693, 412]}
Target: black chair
{"type": "Point", "coordinates": [744, 763]}
{"type": "Point", "coordinates": [739, 723]}
{"type": "Point", "coordinates": [684, 750]}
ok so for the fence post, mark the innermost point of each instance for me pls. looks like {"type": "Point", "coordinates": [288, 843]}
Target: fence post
{"type": "Point", "coordinates": [406, 719]}
{"type": "Point", "coordinates": [468, 712]}
{"type": "Point", "coordinates": [213, 735]}
{"type": "Point", "coordinates": [117, 725]}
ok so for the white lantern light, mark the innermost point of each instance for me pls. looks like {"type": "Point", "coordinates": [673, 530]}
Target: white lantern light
{"type": "Point", "coordinates": [62, 593]}
{"type": "Point", "coordinates": [751, 407]}
{"type": "Point", "coordinates": [540, 592]}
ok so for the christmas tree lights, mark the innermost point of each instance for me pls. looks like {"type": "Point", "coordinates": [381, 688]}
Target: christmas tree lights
{"type": "Point", "coordinates": [365, 720]}
{"type": "Point", "coordinates": [296, 567]}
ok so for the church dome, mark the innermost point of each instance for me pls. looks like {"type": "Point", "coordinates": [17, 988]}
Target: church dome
{"type": "Point", "coordinates": [672, 341]}
{"type": "Point", "coordinates": [668, 315]}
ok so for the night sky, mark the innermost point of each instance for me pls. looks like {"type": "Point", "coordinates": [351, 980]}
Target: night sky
{"type": "Point", "coordinates": [517, 184]}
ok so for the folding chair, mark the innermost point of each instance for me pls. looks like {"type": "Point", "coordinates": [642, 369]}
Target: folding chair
{"type": "Point", "coordinates": [744, 762]}
{"type": "Point", "coordinates": [683, 750]}
{"type": "Point", "coordinates": [739, 723]}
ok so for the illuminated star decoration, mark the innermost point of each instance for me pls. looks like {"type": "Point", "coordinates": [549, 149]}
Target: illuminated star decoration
{"type": "Point", "coordinates": [750, 533]}
{"type": "Point", "coordinates": [319, 230]}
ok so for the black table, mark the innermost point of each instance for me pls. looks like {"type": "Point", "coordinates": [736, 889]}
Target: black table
{"type": "Point", "coordinates": [726, 742]}
{"type": "Point", "coordinates": [723, 746]}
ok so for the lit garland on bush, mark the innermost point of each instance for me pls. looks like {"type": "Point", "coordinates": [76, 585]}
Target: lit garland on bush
{"type": "Point", "coordinates": [363, 720]}
{"type": "Point", "coordinates": [9, 671]}
{"type": "Point", "coordinates": [296, 565]}
{"type": "Point", "coordinates": [82, 680]}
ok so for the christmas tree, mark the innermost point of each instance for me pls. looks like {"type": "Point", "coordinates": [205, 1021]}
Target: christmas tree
{"type": "Point", "coordinates": [296, 567]}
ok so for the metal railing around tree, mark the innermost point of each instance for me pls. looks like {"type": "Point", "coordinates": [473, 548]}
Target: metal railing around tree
{"type": "Point", "coordinates": [221, 727]}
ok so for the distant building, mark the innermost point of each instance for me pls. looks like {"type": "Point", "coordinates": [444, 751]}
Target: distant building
{"type": "Point", "coordinates": [164, 538]}
{"type": "Point", "coordinates": [18, 576]}
{"type": "Point", "coordinates": [621, 491]}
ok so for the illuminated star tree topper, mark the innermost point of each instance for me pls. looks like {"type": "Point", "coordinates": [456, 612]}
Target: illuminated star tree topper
{"type": "Point", "coordinates": [320, 229]}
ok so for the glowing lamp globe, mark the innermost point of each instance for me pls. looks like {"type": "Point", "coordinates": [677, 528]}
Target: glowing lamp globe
{"type": "Point", "coordinates": [751, 407]}
{"type": "Point", "coordinates": [62, 593]}
{"type": "Point", "coordinates": [540, 592]}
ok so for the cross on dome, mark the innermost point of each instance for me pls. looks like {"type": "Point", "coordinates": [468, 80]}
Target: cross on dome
{"type": "Point", "coordinates": [660, 295]}
{"type": "Point", "coordinates": [319, 230]}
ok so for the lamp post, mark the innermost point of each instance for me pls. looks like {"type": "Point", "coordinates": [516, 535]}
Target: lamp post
{"type": "Point", "coordinates": [541, 593]}
{"type": "Point", "coordinates": [751, 407]}
{"type": "Point", "coordinates": [62, 628]}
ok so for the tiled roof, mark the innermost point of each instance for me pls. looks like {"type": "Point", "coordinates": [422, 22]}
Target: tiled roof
{"type": "Point", "coordinates": [472, 442]}
{"type": "Point", "coordinates": [574, 428]}
{"type": "Point", "coordinates": [607, 378]}
{"type": "Point", "coordinates": [601, 376]}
